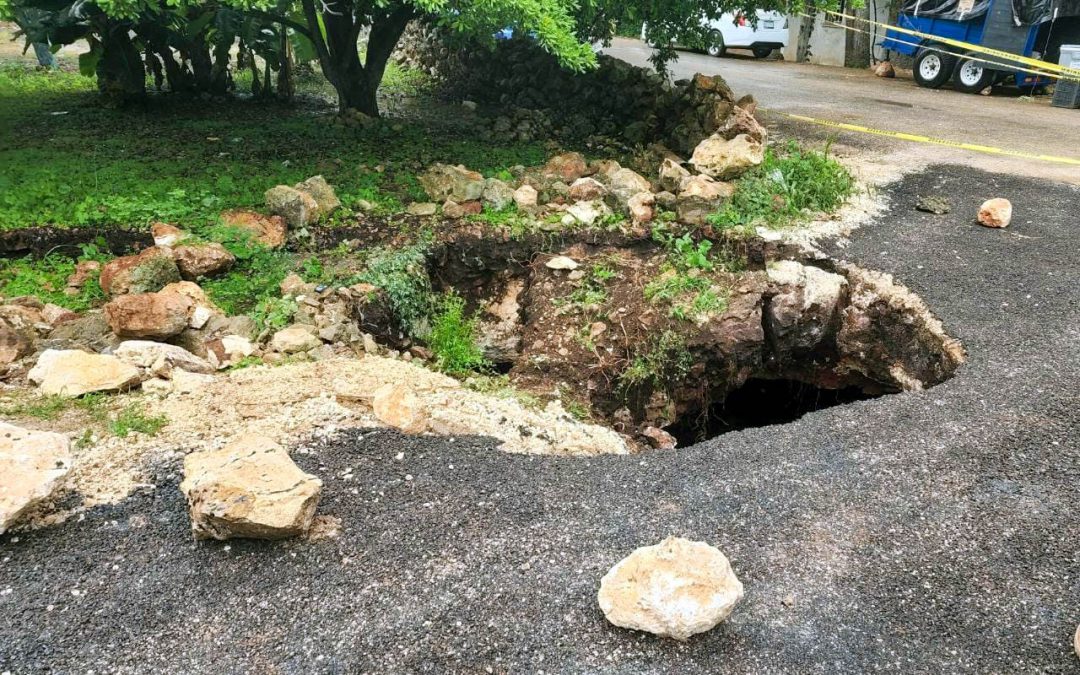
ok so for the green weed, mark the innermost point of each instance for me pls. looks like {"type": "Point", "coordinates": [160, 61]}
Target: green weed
{"type": "Point", "coordinates": [665, 361]}
{"type": "Point", "coordinates": [453, 338]}
{"type": "Point", "coordinates": [786, 188]}
{"type": "Point", "coordinates": [134, 418]}
{"type": "Point", "coordinates": [402, 274]}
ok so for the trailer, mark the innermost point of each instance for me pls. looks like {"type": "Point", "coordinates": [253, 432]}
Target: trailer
{"type": "Point", "coordinates": [1030, 28]}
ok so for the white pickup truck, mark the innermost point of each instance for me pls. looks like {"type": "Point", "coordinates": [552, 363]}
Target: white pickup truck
{"type": "Point", "coordinates": [736, 31]}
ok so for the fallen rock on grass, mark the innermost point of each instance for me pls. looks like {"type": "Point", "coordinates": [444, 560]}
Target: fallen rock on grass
{"type": "Point", "coordinates": [677, 588]}
{"type": "Point", "coordinates": [202, 260]}
{"type": "Point", "coordinates": [73, 373]}
{"type": "Point", "coordinates": [32, 464]}
{"type": "Point", "coordinates": [145, 272]}
{"type": "Point", "coordinates": [443, 181]}
{"type": "Point", "coordinates": [296, 207]}
{"type": "Point", "coordinates": [250, 488]}
{"type": "Point", "coordinates": [270, 231]}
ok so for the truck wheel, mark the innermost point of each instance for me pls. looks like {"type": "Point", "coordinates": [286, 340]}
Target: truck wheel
{"type": "Point", "coordinates": [932, 68]}
{"type": "Point", "coordinates": [716, 44]}
{"type": "Point", "coordinates": [971, 77]}
{"type": "Point", "coordinates": [762, 52]}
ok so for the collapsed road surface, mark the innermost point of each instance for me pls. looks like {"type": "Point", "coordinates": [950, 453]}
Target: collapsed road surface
{"type": "Point", "coordinates": [918, 533]}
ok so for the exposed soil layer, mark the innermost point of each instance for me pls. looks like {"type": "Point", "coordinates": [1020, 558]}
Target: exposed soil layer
{"type": "Point", "coordinates": [41, 241]}
{"type": "Point", "coordinates": [626, 328]}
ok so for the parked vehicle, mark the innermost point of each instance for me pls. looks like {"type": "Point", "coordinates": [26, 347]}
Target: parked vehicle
{"type": "Point", "coordinates": [737, 31]}
{"type": "Point", "coordinates": [1032, 28]}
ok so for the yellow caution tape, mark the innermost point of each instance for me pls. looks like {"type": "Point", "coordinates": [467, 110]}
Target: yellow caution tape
{"type": "Point", "coordinates": [1071, 73]}
{"type": "Point", "coordinates": [969, 57]}
{"type": "Point", "coordinates": [917, 138]}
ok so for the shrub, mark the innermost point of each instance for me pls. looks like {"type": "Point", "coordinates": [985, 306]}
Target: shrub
{"type": "Point", "coordinates": [453, 338]}
{"type": "Point", "coordinates": [402, 274]}
{"type": "Point", "coordinates": [786, 188]}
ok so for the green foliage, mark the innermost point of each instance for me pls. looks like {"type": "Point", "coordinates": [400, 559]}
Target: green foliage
{"type": "Point", "coordinates": [42, 408]}
{"type": "Point", "coordinates": [401, 273]}
{"type": "Point", "coordinates": [134, 418]}
{"type": "Point", "coordinates": [688, 297]}
{"type": "Point", "coordinates": [665, 361]}
{"type": "Point", "coordinates": [787, 188]}
{"type": "Point", "coordinates": [46, 279]}
{"type": "Point", "coordinates": [453, 338]}
{"type": "Point", "coordinates": [253, 282]}
{"type": "Point", "coordinates": [499, 386]}
{"type": "Point", "coordinates": [188, 161]}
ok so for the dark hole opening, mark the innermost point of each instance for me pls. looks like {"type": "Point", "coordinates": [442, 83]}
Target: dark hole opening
{"type": "Point", "coordinates": [761, 403]}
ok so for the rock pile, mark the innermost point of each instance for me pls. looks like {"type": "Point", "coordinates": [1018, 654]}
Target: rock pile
{"type": "Point", "coordinates": [616, 100]}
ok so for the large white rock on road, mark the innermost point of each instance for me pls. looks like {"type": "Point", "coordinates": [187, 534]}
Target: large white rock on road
{"type": "Point", "coordinates": [32, 464]}
{"type": "Point", "coordinates": [677, 588]}
{"type": "Point", "coordinates": [250, 488]}
{"type": "Point", "coordinates": [70, 372]}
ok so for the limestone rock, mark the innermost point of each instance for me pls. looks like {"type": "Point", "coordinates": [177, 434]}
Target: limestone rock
{"type": "Point", "coordinates": [742, 122]}
{"type": "Point", "coordinates": [884, 69]}
{"type": "Point", "coordinates": [204, 260]}
{"type": "Point", "coordinates": [145, 272]}
{"type": "Point", "coordinates": [296, 207]}
{"type": "Point", "coordinates": [160, 358]}
{"type": "Point", "coordinates": [624, 184]}
{"type": "Point", "coordinates": [294, 339]}
{"type": "Point", "coordinates": [398, 406]}
{"type": "Point", "coordinates": [14, 344]}
{"type": "Point", "coordinates": [443, 181]}
{"type": "Point", "coordinates": [270, 231]}
{"type": "Point", "coordinates": [54, 315]}
{"type": "Point", "coordinates": [587, 189]}
{"type": "Point", "coordinates": [148, 315]}
{"type": "Point", "coordinates": [642, 207]}
{"type": "Point", "coordinates": [677, 588]}
{"type": "Point", "coordinates": [422, 209]}
{"type": "Point", "coordinates": [165, 234]}
{"type": "Point", "coordinates": [672, 174]}
{"type": "Point", "coordinates": [804, 311]}
{"type": "Point", "coordinates": [526, 197]}
{"type": "Point", "coordinates": [937, 205]}
{"type": "Point", "coordinates": [250, 488]}
{"type": "Point", "coordinates": [587, 213]}
{"type": "Point", "coordinates": [326, 200]}
{"type": "Point", "coordinates": [996, 213]}
{"type": "Point", "coordinates": [454, 211]}
{"type": "Point", "coordinates": [721, 158]}
{"type": "Point", "coordinates": [497, 194]}
{"type": "Point", "coordinates": [561, 262]}
{"type": "Point", "coordinates": [229, 350]}
{"type": "Point", "coordinates": [72, 373]}
{"type": "Point", "coordinates": [202, 308]}
{"type": "Point", "coordinates": [567, 167]}
{"type": "Point", "coordinates": [700, 196]}
{"type": "Point", "coordinates": [84, 271]}
{"type": "Point", "coordinates": [32, 464]}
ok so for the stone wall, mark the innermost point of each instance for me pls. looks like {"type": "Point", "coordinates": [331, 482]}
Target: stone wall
{"type": "Point", "coordinates": [631, 104]}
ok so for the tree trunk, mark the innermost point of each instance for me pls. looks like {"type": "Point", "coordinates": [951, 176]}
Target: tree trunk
{"type": "Point", "coordinates": [356, 84]}
{"type": "Point", "coordinates": [806, 29]}
{"type": "Point", "coordinates": [120, 74]}
{"type": "Point", "coordinates": [285, 85]}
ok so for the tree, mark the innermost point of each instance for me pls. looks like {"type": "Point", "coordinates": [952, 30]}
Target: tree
{"type": "Point", "coordinates": [335, 26]}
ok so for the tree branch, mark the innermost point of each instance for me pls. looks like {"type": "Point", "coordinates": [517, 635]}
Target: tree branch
{"type": "Point", "coordinates": [298, 27]}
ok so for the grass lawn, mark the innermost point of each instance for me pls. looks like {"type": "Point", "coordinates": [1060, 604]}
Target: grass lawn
{"type": "Point", "coordinates": [67, 161]}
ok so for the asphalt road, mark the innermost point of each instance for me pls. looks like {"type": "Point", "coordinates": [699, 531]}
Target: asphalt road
{"type": "Point", "coordinates": [858, 97]}
{"type": "Point", "coordinates": [931, 532]}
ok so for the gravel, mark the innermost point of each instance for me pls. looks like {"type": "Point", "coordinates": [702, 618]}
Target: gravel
{"type": "Point", "coordinates": [918, 533]}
